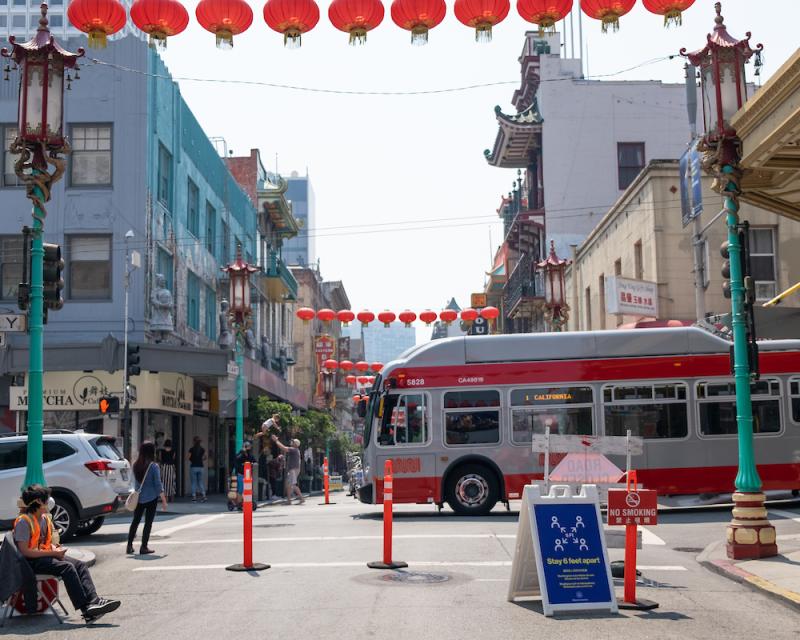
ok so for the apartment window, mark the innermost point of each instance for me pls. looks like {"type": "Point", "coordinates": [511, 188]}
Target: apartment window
{"type": "Point", "coordinates": [566, 410]}
{"type": "Point", "coordinates": [9, 175]}
{"type": "Point", "coordinates": [211, 229]}
{"type": "Point", "coordinates": [226, 243]}
{"type": "Point", "coordinates": [90, 160]}
{"type": "Point", "coordinates": [472, 417]}
{"type": "Point", "coordinates": [56, 20]}
{"type": "Point", "coordinates": [10, 265]}
{"type": "Point", "coordinates": [3, 20]}
{"type": "Point", "coordinates": [717, 404]}
{"type": "Point", "coordinates": [19, 21]}
{"type": "Point", "coordinates": [89, 267]}
{"type": "Point", "coordinates": [211, 314]}
{"type": "Point", "coordinates": [630, 161]}
{"type": "Point", "coordinates": [618, 267]}
{"type": "Point", "coordinates": [164, 266]}
{"type": "Point", "coordinates": [762, 262]}
{"type": "Point", "coordinates": [638, 265]}
{"type": "Point", "coordinates": [164, 176]}
{"type": "Point", "coordinates": [193, 301]}
{"type": "Point", "coordinates": [601, 294]}
{"type": "Point", "coordinates": [193, 209]}
{"type": "Point", "coordinates": [649, 411]}
{"type": "Point", "coordinates": [588, 305]}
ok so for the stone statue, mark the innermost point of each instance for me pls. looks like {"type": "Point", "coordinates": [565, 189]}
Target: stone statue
{"type": "Point", "coordinates": [265, 352]}
{"type": "Point", "coordinates": [226, 339]}
{"type": "Point", "coordinates": [161, 304]}
{"type": "Point", "coordinates": [250, 343]}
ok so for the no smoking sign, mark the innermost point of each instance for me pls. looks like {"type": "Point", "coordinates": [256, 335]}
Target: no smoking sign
{"type": "Point", "coordinates": [632, 507]}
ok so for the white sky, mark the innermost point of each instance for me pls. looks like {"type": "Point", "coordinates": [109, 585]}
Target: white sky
{"type": "Point", "coordinates": [376, 161]}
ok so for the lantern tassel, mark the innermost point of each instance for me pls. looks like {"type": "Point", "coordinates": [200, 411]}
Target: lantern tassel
{"type": "Point", "coordinates": [358, 36]}
{"type": "Point", "coordinates": [292, 38]}
{"type": "Point", "coordinates": [610, 21]}
{"type": "Point", "coordinates": [157, 40]}
{"type": "Point", "coordinates": [419, 35]}
{"type": "Point", "coordinates": [97, 39]}
{"type": "Point", "coordinates": [224, 40]}
{"type": "Point", "coordinates": [547, 25]}
{"type": "Point", "coordinates": [483, 32]}
{"type": "Point", "coordinates": [673, 18]}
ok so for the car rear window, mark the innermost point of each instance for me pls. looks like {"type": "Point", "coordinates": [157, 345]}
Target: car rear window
{"type": "Point", "coordinates": [105, 448]}
{"type": "Point", "coordinates": [55, 450]}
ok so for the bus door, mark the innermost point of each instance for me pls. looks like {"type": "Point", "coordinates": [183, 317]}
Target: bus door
{"type": "Point", "coordinates": [405, 438]}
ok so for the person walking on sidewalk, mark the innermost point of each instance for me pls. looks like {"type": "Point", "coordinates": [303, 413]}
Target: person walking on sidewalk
{"type": "Point", "coordinates": [197, 460]}
{"type": "Point", "coordinates": [35, 538]}
{"type": "Point", "coordinates": [292, 468]}
{"type": "Point", "coordinates": [148, 483]}
{"type": "Point", "coordinates": [166, 465]}
{"type": "Point", "coordinates": [245, 455]}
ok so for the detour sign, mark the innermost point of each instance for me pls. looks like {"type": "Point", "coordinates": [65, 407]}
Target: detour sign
{"type": "Point", "coordinates": [632, 507]}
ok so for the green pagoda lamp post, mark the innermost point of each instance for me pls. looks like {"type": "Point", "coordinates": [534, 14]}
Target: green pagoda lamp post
{"type": "Point", "coordinates": [724, 91]}
{"type": "Point", "coordinates": [42, 63]}
{"type": "Point", "coordinates": [239, 274]}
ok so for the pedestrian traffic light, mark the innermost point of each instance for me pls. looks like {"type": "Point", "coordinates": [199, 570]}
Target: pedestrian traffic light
{"type": "Point", "coordinates": [726, 269]}
{"type": "Point", "coordinates": [109, 404]}
{"type": "Point", "coordinates": [133, 360]}
{"type": "Point", "coordinates": [51, 276]}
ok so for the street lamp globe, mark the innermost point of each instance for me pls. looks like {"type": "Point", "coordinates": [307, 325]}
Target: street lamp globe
{"type": "Point", "coordinates": [239, 274]}
{"type": "Point", "coordinates": [554, 274]}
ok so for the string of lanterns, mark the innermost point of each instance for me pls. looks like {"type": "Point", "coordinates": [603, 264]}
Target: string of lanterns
{"type": "Point", "coordinates": [163, 19]}
{"type": "Point", "coordinates": [387, 317]}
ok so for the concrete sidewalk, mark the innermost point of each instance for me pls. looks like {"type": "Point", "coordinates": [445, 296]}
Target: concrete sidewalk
{"type": "Point", "coordinates": [778, 577]}
{"type": "Point", "coordinates": [216, 503]}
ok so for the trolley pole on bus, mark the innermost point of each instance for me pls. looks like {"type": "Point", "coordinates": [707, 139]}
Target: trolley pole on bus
{"type": "Point", "coordinates": [721, 65]}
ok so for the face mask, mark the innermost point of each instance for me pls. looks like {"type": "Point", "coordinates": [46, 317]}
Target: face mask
{"type": "Point", "coordinates": [51, 504]}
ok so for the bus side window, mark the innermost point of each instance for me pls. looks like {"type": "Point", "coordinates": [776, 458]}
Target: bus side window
{"type": "Point", "coordinates": [794, 399]}
{"type": "Point", "coordinates": [404, 420]}
{"type": "Point", "coordinates": [386, 433]}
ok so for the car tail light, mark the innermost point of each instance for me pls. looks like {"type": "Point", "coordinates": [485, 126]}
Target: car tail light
{"type": "Point", "coordinates": [99, 467]}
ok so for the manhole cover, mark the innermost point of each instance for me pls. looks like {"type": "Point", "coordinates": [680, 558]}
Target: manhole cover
{"type": "Point", "coordinates": [414, 577]}
{"type": "Point", "coordinates": [689, 549]}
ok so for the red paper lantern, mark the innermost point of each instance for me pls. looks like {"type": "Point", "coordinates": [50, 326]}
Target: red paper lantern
{"type": "Point", "coordinates": [225, 19]}
{"type": "Point", "coordinates": [356, 398]}
{"type": "Point", "coordinates": [365, 317]}
{"type": "Point", "coordinates": [469, 315]}
{"type": "Point", "coordinates": [362, 366]}
{"type": "Point", "coordinates": [98, 19]}
{"type": "Point", "coordinates": [490, 313]}
{"type": "Point", "coordinates": [418, 16]}
{"type": "Point", "coordinates": [159, 19]}
{"type": "Point", "coordinates": [482, 15]}
{"type": "Point", "coordinates": [351, 379]}
{"type": "Point", "coordinates": [387, 317]}
{"type": "Point", "coordinates": [326, 315]}
{"type": "Point", "coordinates": [346, 365]}
{"type": "Point", "coordinates": [544, 13]}
{"type": "Point", "coordinates": [376, 366]}
{"type": "Point", "coordinates": [448, 315]}
{"type": "Point", "coordinates": [407, 317]}
{"type": "Point", "coordinates": [330, 364]}
{"type": "Point", "coordinates": [363, 380]}
{"type": "Point", "coordinates": [345, 316]}
{"type": "Point", "coordinates": [670, 9]}
{"type": "Point", "coordinates": [292, 18]}
{"type": "Point", "coordinates": [428, 316]}
{"type": "Point", "coordinates": [608, 11]}
{"type": "Point", "coordinates": [356, 17]}
{"type": "Point", "coordinates": [306, 314]}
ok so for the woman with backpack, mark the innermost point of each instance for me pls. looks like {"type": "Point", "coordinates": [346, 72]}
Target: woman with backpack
{"type": "Point", "coordinates": [147, 481]}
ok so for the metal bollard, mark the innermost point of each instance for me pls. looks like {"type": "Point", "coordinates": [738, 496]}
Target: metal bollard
{"type": "Point", "coordinates": [387, 562]}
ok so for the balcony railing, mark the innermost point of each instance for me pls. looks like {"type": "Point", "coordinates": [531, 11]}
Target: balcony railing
{"type": "Point", "coordinates": [281, 284]}
{"type": "Point", "coordinates": [526, 283]}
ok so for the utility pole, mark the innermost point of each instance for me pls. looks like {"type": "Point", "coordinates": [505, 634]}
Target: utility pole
{"type": "Point", "coordinates": [132, 262]}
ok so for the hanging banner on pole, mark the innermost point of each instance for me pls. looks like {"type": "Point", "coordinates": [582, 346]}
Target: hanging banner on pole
{"type": "Point", "coordinates": [561, 553]}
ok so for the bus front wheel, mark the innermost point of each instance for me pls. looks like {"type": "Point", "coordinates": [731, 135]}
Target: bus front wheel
{"type": "Point", "coordinates": [472, 490]}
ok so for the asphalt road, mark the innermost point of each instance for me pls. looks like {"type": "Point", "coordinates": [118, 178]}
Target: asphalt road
{"type": "Point", "coordinates": [455, 587]}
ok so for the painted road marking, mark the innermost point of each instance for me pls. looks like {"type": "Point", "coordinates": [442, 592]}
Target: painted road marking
{"type": "Point", "coordinates": [789, 515]}
{"type": "Point", "coordinates": [665, 567]}
{"type": "Point", "coordinates": [188, 525]}
{"type": "Point", "coordinates": [650, 538]}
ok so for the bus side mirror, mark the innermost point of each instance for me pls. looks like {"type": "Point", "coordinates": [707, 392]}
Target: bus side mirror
{"type": "Point", "coordinates": [361, 409]}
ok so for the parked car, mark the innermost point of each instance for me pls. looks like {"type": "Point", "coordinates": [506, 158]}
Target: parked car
{"type": "Point", "coordinates": [86, 472]}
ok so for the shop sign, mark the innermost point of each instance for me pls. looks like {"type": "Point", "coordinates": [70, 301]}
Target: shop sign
{"type": "Point", "coordinates": [176, 392]}
{"type": "Point", "coordinates": [625, 296]}
{"type": "Point", "coordinates": [477, 300]}
{"type": "Point", "coordinates": [691, 170]}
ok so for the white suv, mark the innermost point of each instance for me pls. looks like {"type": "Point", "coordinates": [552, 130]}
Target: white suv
{"type": "Point", "coordinates": [87, 474]}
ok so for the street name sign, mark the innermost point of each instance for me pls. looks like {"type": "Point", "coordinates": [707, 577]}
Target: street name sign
{"type": "Point", "coordinates": [560, 553]}
{"type": "Point", "coordinates": [13, 322]}
{"type": "Point", "coordinates": [632, 507]}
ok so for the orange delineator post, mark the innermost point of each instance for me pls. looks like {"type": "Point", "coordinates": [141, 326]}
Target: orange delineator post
{"type": "Point", "coordinates": [247, 519]}
{"type": "Point", "coordinates": [387, 562]}
{"type": "Point", "coordinates": [326, 480]}
{"type": "Point", "coordinates": [631, 535]}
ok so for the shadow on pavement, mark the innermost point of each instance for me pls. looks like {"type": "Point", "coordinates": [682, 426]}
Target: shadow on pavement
{"type": "Point", "coordinates": [663, 615]}
{"type": "Point", "coordinates": [36, 624]}
{"type": "Point", "coordinates": [499, 516]}
{"type": "Point", "coordinates": [536, 607]}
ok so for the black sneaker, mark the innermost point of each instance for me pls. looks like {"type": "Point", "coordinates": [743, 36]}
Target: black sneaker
{"type": "Point", "coordinates": [100, 608]}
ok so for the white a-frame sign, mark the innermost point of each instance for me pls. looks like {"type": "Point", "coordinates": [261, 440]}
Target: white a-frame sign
{"type": "Point", "coordinates": [561, 553]}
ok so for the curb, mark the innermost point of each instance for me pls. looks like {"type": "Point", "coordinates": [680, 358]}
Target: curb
{"type": "Point", "coordinates": [728, 569]}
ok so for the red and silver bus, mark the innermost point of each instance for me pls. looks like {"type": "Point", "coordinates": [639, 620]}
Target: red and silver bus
{"type": "Point", "coordinates": [456, 415]}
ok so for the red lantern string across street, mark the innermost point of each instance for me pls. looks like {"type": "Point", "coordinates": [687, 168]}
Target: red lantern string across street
{"type": "Point", "coordinates": [351, 379]}
{"type": "Point", "coordinates": [544, 13]}
{"type": "Point", "coordinates": [376, 366]}
{"type": "Point", "coordinates": [330, 365]}
{"type": "Point", "coordinates": [362, 366]}
{"type": "Point", "coordinates": [482, 15]}
{"type": "Point", "coordinates": [428, 316]}
{"type": "Point", "coordinates": [159, 19]}
{"type": "Point", "coordinates": [365, 317]}
{"type": "Point", "coordinates": [306, 314]}
{"type": "Point", "coordinates": [225, 19]}
{"type": "Point", "coordinates": [345, 316]}
{"type": "Point", "coordinates": [356, 17]}
{"type": "Point", "coordinates": [362, 380]}
{"type": "Point", "coordinates": [346, 365]}
{"type": "Point", "coordinates": [98, 19]}
{"type": "Point", "coordinates": [607, 11]}
{"type": "Point", "coordinates": [356, 398]}
{"type": "Point", "coordinates": [387, 317]}
{"type": "Point", "coordinates": [469, 315]}
{"type": "Point", "coordinates": [670, 9]}
{"type": "Point", "coordinates": [448, 315]}
{"type": "Point", "coordinates": [418, 17]}
{"type": "Point", "coordinates": [292, 18]}
{"type": "Point", "coordinates": [490, 313]}
{"type": "Point", "coordinates": [407, 317]}
{"type": "Point", "coordinates": [326, 315]}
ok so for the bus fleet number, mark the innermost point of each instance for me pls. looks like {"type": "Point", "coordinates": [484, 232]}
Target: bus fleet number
{"type": "Point", "coordinates": [415, 382]}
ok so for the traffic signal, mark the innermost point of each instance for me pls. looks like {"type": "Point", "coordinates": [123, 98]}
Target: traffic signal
{"type": "Point", "coordinates": [726, 269]}
{"type": "Point", "coordinates": [133, 360]}
{"type": "Point", "coordinates": [109, 404]}
{"type": "Point", "coordinates": [52, 277]}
